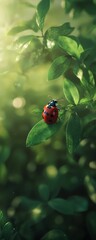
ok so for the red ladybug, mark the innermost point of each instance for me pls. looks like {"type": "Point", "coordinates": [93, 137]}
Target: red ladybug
{"type": "Point", "coordinates": [50, 112]}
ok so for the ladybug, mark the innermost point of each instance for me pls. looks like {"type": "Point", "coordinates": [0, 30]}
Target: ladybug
{"type": "Point", "coordinates": [50, 112]}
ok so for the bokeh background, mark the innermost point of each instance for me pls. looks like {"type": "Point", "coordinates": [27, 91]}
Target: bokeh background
{"type": "Point", "coordinates": [24, 88]}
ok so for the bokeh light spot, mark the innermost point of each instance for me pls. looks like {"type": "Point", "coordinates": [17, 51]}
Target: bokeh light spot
{"type": "Point", "coordinates": [36, 212]}
{"type": "Point", "coordinates": [51, 171]}
{"type": "Point", "coordinates": [50, 44]}
{"type": "Point", "coordinates": [18, 102]}
{"type": "Point", "coordinates": [92, 165]}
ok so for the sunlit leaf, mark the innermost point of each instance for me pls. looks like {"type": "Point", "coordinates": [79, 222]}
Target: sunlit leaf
{"type": "Point", "coordinates": [42, 131]}
{"type": "Point", "coordinates": [53, 33]}
{"type": "Point", "coordinates": [55, 235]}
{"type": "Point", "coordinates": [85, 76]}
{"type": "Point", "coordinates": [73, 132]}
{"type": "Point", "coordinates": [70, 46]}
{"type": "Point", "coordinates": [59, 66]}
{"type": "Point", "coordinates": [33, 23]}
{"type": "Point", "coordinates": [17, 29]}
{"type": "Point", "coordinates": [42, 9]}
{"type": "Point", "coordinates": [26, 25]}
{"type": "Point", "coordinates": [70, 91]}
{"type": "Point", "coordinates": [91, 78]}
{"type": "Point", "coordinates": [24, 39]}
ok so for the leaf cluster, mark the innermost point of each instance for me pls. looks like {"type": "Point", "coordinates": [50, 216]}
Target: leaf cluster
{"type": "Point", "coordinates": [63, 182]}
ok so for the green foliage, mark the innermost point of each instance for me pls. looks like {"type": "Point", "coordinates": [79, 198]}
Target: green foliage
{"type": "Point", "coordinates": [70, 46]}
{"type": "Point", "coordinates": [48, 190]}
{"type": "Point", "coordinates": [71, 92]}
{"type": "Point", "coordinates": [7, 230]}
{"type": "Point", "coordinates": [27, 25]}
{"type": "Point", "coordinates": [55, 235]}
{"type": "Point", "coordinates": [44, 192]}
{"type": "Point", "coordinates": [91, 220]}
{"type": "Point", "coordinates": [59, 66]}
{"type": "Point", "coordinates": [42, 9]}
{"type": "Point", "coordinates": [41, 131]}
{"type": "Point", "coordinates": [69, 206]}
{"type": "Point", "coordinates": [53, 33]}
{"type": "Point", "coordinates": [73, 132]}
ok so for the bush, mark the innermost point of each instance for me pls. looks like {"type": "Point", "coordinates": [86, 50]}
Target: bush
{"type": "Point", "coordinates": [47, 171]}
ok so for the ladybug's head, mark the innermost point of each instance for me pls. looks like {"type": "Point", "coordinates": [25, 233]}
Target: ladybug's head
{"type": "Point", "coordinates": [52, 103]}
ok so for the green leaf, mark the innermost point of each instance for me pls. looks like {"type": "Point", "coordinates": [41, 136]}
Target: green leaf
{"type": "Point", "coordinates": [91, 224]}
{"type": "Point", "coordinates": [59, 66]}
{"type": "Point", "coordinates": [73, 131]}
{"type": "Point", "coordinates": [26, 25]}
{"type": "Point", "coordinates": [26, 203]}
{"type": "Point", "coordinates": [2, 219]}
{"type": "Point", "coordinates": [44, 191]}
{"type": "Point", "coordinates": [70, 206]}
{"type": "Point", "coordinates": [70, 46]}
{"type": "Point", "coordinates": [71, 92]}
{"type": "Point", "coordinates": [86, 77]}
{"type": "Point", "coordinates": [53, 33]}
{"type": "Point", "coordinates": [4, 153]}
{"type": "Point", "coordinates": [55, 235]}
{"type": "Point", "coordinates": [61, 206]}
{"type": "Point", "coordinates": [42, 9]}
{"type": "Point", "coordinates": [89, 118]}
{"type": "Point", "coordinates": [90, 184]}
{"type": "Point", "coordinates": [17, 29]}
{"type": "Point", "coordinates": [91, 78]}
{"type": "Point", "coordinates": [33, 24]}
{"type": "Point", "coordinates": [41, 131]}
{"type": "Point", "coordinates": [3, 173]}
{"type": "Point", "coordinates": [88, 57]}
{"type": "Point", "coordinates": [80, 204]}
{"type": "Point", "coordinates": [7, 230]}
{"type": "Point", "coordinates": [26, 39]}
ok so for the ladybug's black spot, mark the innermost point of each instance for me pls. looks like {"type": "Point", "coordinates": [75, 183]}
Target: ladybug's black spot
{"type": "Point", "coordinates": [51, 115]}
{"type": "Point", "coordinates": [46, 113]}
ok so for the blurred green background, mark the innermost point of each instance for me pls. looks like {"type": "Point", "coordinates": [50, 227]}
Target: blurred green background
{"type": "Point", "coordinates": [46, 170]}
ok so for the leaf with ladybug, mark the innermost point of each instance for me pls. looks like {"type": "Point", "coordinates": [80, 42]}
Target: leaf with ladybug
{"type": "Point", "coordinates": [41, 132]}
